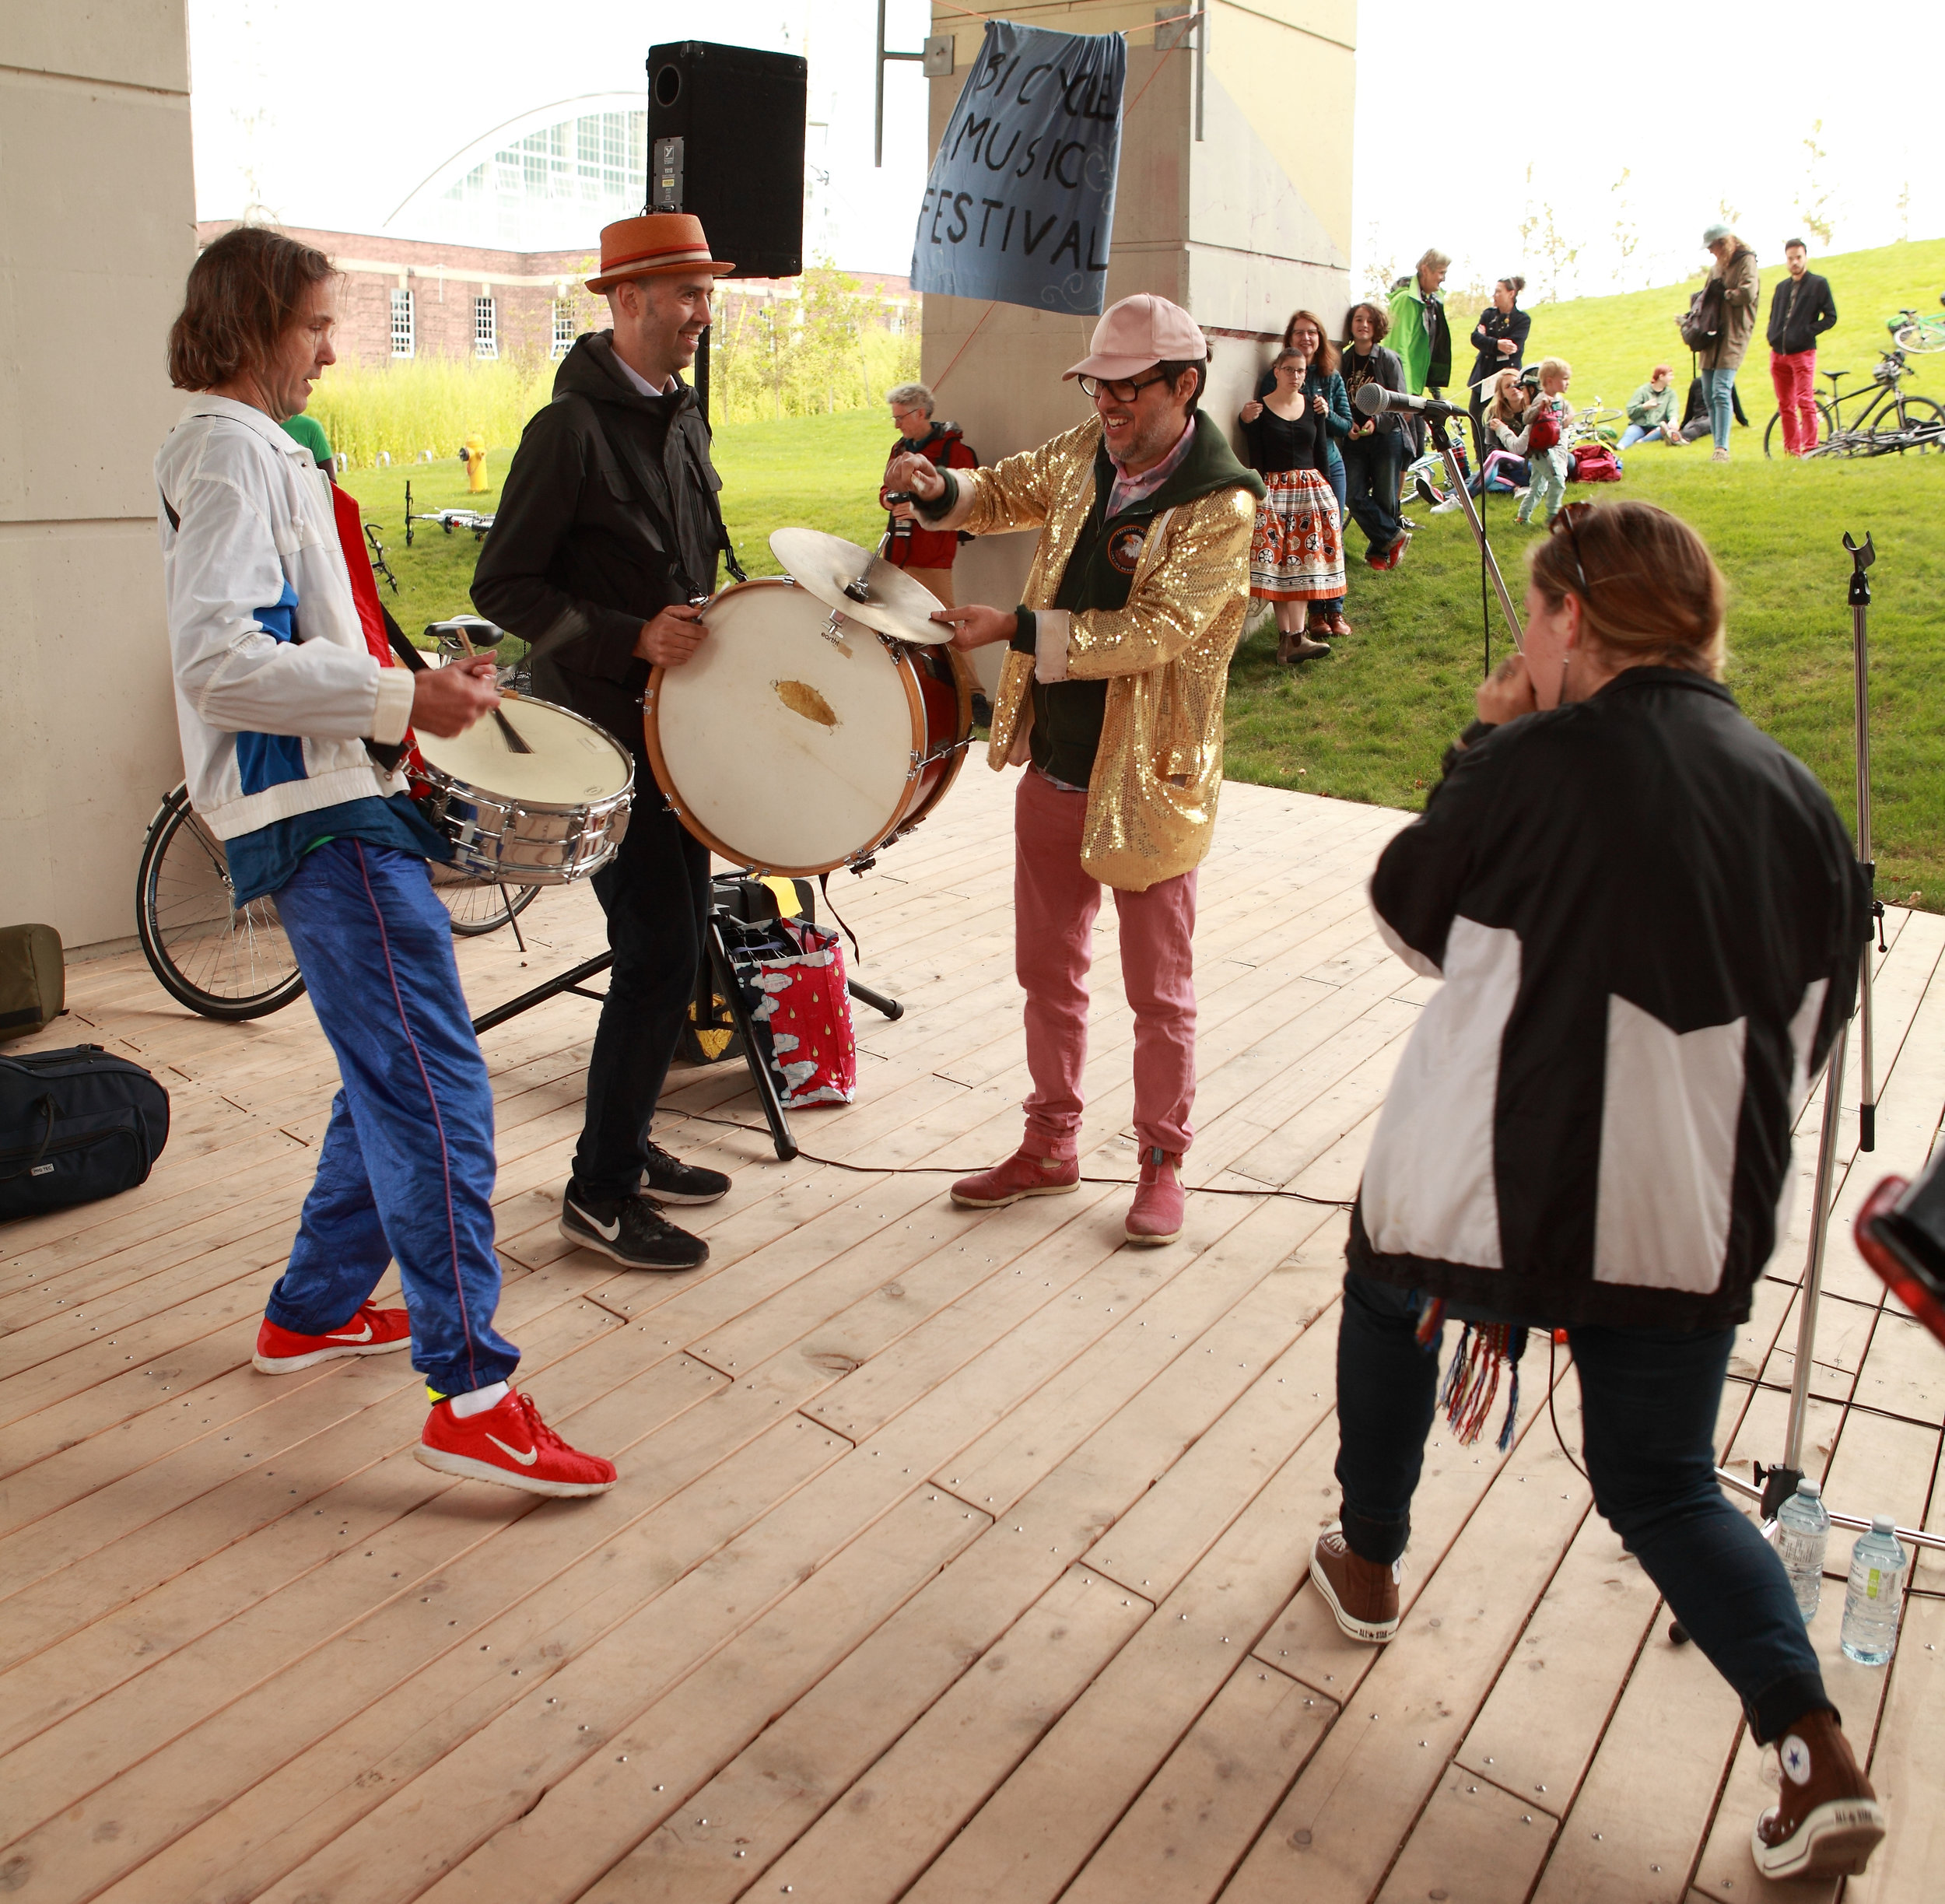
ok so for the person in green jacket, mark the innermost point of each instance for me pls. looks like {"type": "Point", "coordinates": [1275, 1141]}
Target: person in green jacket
{"type": "Point", "coordinates": [1651, 412]}
{"type": "Point", "coordinates": [1419, 332]}
{"type": "Point", "coordinates": [307, 430]}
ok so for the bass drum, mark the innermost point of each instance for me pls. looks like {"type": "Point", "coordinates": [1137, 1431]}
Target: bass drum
{"type": "Point", "coordinates": [788, 751]}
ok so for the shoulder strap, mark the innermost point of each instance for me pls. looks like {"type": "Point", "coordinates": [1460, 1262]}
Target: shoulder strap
{"type": "Point", "coordinates": [723, 542]}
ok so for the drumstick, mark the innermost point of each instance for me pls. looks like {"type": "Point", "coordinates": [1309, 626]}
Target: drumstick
{"type": "Point", "coordinates": [508, 730]}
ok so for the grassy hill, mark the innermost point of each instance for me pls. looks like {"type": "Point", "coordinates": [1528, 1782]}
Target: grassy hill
{"type": "Point", "coordinates": [1613, 342]}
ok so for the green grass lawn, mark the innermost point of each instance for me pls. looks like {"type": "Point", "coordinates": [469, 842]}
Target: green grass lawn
{"type": "Point", "coordinates": [1371, 723]}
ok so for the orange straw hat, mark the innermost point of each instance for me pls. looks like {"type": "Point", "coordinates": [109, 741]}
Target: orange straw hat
{"type": "Point", "coordinates": [655, 242]}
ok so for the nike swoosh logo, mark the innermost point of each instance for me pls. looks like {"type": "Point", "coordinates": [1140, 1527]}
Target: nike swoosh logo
{"type": "Point", "coordinates": [365, 1337]}
{"type": "Point", "coordinates": [607, 1232]}
{"type": "Point", "coordinates": [525, 1460]}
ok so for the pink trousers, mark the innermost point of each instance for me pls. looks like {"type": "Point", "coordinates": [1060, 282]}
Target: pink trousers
{"type": "Point", "coordinates": [1794, 379]}
{"type": "Point", "coordinates": [1055, 900]}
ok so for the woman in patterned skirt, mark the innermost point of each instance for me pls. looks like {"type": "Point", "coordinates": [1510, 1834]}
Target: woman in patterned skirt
{"type": "Point", "coordinates": [1297, 557]}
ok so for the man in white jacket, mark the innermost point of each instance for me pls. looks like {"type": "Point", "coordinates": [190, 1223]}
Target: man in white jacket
{"type": "Point", "coordinates": [277, 696]}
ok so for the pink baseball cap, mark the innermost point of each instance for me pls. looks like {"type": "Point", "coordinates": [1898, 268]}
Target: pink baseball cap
{"type": "Point", "coordinates": [1138, 333]}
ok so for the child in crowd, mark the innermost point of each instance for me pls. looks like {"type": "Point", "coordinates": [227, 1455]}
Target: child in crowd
{"type": "Point", "coordinates": [1544, 442]}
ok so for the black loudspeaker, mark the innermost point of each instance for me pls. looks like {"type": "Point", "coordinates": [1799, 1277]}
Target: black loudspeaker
{"type": "Point", "coordinates": [726, 142]}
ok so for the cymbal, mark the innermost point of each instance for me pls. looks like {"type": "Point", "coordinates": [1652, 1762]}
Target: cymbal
{"type": "Point", "coordinates": [827, 567]}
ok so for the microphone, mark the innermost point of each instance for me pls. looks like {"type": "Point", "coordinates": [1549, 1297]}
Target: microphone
{"type": "Point", "coordinates": [1371, 398]}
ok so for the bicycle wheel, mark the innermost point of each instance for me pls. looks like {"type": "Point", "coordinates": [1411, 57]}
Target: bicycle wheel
{"type": "Point", "coordinates": [1918, 424]}
{"type": "Point", "coordinates": [1925, 334]}
{"type": "Point", "coordinates": [224, 961]}
{"type": "Point", "coordinates": [478, 905]}
{"type": "Point", "coordinates": [1773, 435]}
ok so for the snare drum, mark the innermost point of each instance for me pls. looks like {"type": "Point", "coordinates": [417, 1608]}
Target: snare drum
{"type": "Point", "coordinates": [535, 819]}
{"type": "Point", "coordinates": [784, 750]}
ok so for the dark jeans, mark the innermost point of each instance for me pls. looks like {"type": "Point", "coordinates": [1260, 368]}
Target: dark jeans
{"type": "Point", "coordinates": [1648, 1402]}
{"type": "Point", "coordinates": [653, 891]}
{"type": "Point", "coordinates": [1371, 482]}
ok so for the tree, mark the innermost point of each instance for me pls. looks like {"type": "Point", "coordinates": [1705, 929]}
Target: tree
{"type": "Point", "coordinates": [1813, 201]}
{"type": "Point", "coordinates": [1627, 233]}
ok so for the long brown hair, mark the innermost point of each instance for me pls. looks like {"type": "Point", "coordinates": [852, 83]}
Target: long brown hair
{"type": "Point", "coordinates": [244, 292]}
{"type": "Point", "coordinates": [1326, 358]}
{"type": "Point", "coordinates": [1650, 591]}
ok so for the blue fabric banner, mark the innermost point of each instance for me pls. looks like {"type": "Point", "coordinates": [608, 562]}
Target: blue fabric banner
{"type": "Point", "coordinates": [1020, 205]}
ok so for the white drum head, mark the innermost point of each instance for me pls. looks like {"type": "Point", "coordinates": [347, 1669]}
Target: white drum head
{"type": "Point", "coordinates": [573, 762]}
{"type": "Point", "coordinates": [791, 752]}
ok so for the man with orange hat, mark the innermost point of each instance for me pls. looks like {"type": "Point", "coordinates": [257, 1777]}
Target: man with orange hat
{"type": "Point", "coordinates": [1112, 699]}
{"type": "Point", "coordinates": [607, 535]}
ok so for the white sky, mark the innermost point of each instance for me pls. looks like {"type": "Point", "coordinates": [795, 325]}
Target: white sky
{"type": "Point", "coordinates": [328, 119]}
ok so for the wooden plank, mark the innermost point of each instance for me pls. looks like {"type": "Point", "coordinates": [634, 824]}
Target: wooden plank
{"type": "Point", "coordinates": [1473, 1841]}
{"type": "Point", "coordinates": [872, 1845]}
{"type": "Point", "coordinates": [1179, 1840]}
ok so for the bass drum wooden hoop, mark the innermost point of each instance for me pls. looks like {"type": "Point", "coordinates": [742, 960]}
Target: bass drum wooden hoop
{"type": "Point", "coordinates": [769, 623]}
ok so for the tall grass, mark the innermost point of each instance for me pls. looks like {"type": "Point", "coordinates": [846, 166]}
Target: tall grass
{"type": "Point", "coordinates": [402, 410]}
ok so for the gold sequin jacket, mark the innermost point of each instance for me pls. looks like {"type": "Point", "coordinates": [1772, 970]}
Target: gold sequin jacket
{"type": "Point", "coordinates": [1152, 798]}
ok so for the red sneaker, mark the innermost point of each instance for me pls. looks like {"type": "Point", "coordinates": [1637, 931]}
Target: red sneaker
{"type": "Point", "coordinates": [509, 1443]}
{"type": "Point", "coordinates": [1155, 1215]}
{"type": "Point", "coordinates": [370, 1332]}
{"type": "Point", "coordinates": [1020, 1176]}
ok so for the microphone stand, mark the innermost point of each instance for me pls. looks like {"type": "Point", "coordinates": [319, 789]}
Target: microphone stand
{"type": "Point", "coordinates": [1442, 441]}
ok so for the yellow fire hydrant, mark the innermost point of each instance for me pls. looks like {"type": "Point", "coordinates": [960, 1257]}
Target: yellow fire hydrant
{"type": "Point", "coordinates": [475, 455]}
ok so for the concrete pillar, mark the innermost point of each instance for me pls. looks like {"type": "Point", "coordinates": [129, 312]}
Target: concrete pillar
{"type": "Point", "coordinates": [1241, 225]}
{"type": "Point", "coordinates": [97, 201]}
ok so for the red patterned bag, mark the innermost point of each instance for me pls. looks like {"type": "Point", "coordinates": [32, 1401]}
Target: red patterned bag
{"type": "Point", "coordinates": [793, 987]}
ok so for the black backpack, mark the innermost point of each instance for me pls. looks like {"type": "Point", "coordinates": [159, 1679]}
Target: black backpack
{"type": "Point", "coordinates": [75, 1126]}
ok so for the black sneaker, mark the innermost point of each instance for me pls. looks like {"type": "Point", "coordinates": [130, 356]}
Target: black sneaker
{"type": "Point", "coordinates": [631, 1230]}
{"type": "Point", "coordinates": [668, 1179]}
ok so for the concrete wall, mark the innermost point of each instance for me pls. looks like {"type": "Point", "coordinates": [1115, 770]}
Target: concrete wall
{"type": "Point", "coordinates": [1240, 227]}
{"type": "Point", "coordinates": [97, 229]}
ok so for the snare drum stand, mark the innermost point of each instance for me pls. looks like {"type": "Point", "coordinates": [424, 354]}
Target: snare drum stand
{"type": "Point", "coordinates": [575, 980]}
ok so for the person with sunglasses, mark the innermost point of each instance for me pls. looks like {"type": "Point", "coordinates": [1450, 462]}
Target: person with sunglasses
{"type": "Point", "coordinates": [1111, 697]}
{"type": "Point", "coordinates": [1648, 923]}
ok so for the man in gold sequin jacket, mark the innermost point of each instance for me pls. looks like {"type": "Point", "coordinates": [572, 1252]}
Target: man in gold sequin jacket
{"type": "Point", "coordinates": [1112, 699]}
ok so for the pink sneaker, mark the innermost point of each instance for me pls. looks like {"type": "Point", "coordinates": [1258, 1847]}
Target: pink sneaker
{"type": "Point", "coordinates": [1020, 1176]}
{"type": "Point", "coordinates": [1155, 1215]}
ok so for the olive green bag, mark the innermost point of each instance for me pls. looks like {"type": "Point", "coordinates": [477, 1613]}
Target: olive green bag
{"type": "Point", "coordinates": [33, 983]}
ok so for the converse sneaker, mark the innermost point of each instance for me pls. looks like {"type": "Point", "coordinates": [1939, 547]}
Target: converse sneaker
{"type": "Point", "coordinates": [1363, 1594]}
{"type": "Point", "coordinates": [632, 1230]}
{"type": "Point", "coordinates": [370, 1332]}
{"type": "Point", "coordinates": [509, 1443]}
{"type": "Point", "coordinates": [668, 1179]}
{"type": "Point", "coordinates": [1020, 1176]}
{"type": "Point", "coordinates": [1827, 1821]}
{"type": "Point", "coordinates": [1155, 1215]}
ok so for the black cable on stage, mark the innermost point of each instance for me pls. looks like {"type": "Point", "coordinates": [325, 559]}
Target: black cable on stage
{"type": "Point", "coordinates": [960, 1170]}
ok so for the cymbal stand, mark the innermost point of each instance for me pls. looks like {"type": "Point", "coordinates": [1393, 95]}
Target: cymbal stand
{"type": "Point", "coordinates": [1442, 442]}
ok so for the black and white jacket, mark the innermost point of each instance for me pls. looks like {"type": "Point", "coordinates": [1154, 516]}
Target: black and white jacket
{"type": "Point", "coordinates": [1649, 920]}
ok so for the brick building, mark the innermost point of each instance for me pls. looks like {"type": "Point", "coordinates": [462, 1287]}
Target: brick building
{"type": "Point", "coordinates": [402, 298]}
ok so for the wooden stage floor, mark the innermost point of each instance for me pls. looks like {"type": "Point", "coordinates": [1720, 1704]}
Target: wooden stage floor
{"type": "Point", "coordinates": [954, 1558]}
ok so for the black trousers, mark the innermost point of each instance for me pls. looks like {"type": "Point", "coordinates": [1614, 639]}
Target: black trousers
{"type": "Point", "coordinates": [654, 892]}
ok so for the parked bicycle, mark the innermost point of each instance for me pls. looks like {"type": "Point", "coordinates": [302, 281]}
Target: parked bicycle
{"type": "Point", "coordinates": [1890, 420]}
{"type": "Point", "coordinates": [1910, 331]}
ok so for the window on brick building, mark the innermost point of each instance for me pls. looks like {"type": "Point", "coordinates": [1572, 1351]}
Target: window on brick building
{"type": "Point", "coordinates": [404, 338]}
{"type": "Point", "coordinates": [563, 326]}
{"type": "Point", "coordinates": [485, 328]}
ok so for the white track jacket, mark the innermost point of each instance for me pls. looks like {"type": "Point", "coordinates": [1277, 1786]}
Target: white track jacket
{"type": "Point", "coordinates": [276, 692]}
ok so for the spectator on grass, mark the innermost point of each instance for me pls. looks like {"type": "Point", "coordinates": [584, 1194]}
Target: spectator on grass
{"type": "Point", "coordinates": [1322, 383]}
{"type": "Point", "coordinates": [305, 429]}
{"type": "Point", "coordinates": [925, 554]}
{"type": "Point", "coordinates": [1503, 470]}
{"type": "Point", "coordinates": [1651, 412]}
{"type": "Point", "coordinates": [1543, 442]}
{"type": "Point", "coordinates": [1370, 458]}
{"type": "Point", "coordinates": [1421, 337]}
{"type": "Point", "coordinates": [1735, 270]}
{"type": "Point", "coordinates": [1500, 338]}
{"type": "Point", "coordinates": [1296, 557]}
{"type": "Point", "coordinates": [1801, 310]}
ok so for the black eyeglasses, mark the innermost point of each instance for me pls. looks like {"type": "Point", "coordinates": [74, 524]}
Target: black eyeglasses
{"type": "Point", "coordinates": [1120, 390]}
{"type": "Point", "coordinates": [1570, 516]}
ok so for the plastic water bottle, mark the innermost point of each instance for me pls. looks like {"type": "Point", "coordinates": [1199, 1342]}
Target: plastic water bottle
{"type": "Point", "coordinates": [1878, 1566]}
{"type": "Point", "coordinates": [1802, 1532]}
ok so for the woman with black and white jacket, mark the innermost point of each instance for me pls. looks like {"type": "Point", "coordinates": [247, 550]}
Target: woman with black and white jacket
{"type": "Point", "coordinates": [1648, 920]}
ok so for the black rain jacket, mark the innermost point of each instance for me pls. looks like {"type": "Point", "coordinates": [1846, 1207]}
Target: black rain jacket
{"type": "Point", "coordinates": [1648, 920]}
{"type": "Point", "coordinates": [608, 514]}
